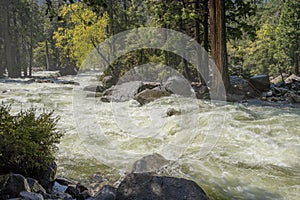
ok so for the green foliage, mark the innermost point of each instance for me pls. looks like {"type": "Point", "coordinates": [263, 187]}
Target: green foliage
{"type": "Point", "coordinates": [27, 141]}
{"type": "Point", "coordinates": [82, 31]}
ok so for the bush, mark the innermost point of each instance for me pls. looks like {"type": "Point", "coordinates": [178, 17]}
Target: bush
{"type": "Point", "coordinates": [27, 141]}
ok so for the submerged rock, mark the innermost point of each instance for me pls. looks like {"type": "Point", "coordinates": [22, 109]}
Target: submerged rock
{"type": "Point", "coordinates": [173, 111]}
{"type": "Point", "coordinates": [150, 163]}
{"type": "Point", "coordinates": [137, 186]}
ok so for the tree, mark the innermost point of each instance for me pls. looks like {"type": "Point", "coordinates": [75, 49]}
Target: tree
{"type": "Point", "coordinates": [218, 44]}
{"type": "Point", "coordinates": [81, 32]}
{"type": "Point", "coordinates": [288, 35]}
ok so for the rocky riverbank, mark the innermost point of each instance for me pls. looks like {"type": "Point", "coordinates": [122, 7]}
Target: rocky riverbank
{"type": "Point", "coordinates": [141, 183]}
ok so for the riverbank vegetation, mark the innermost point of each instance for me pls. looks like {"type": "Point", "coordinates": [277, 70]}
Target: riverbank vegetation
{"type": "Point", "coordinates": [27, 140]}
{"type": "Point", "coordinates": [257, 36]}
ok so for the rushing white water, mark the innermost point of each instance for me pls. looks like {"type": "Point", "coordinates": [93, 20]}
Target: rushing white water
{"type": "Point", "coordinates": [233, 151]}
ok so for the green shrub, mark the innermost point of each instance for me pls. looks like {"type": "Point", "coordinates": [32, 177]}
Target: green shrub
{"type": "Point", "coordinates": [27, 141]}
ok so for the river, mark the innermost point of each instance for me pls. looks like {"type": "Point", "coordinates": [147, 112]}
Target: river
{"type": "Point", "coordinates": [233, 151]}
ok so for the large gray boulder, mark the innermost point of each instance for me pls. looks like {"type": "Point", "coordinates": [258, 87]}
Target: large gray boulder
{"type": "Point", "coordinates": [11, 185]}
{"type": "Point", "coordinates": [178, 85]}
{"type": "Point", "coordinates": [147, 95]}
{"type": "Point", "coordinates": [145, 186]}
{"type": "Point", "coordinates": [125, 91]}
{"type": "Point", "coordinates": [260, 82]}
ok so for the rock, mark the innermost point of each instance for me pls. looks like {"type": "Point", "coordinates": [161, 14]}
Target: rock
{"type": "Point", "coordinates": [292, 78]}
{"type": "Point", "coordinates": [58, 195]}
{"type": "Point", "coordinates": [71, 190]}
{"type": "Point", "coordinates": [106, 193]}
{"type": "Point", "coordinates": [260, 82]}
{"type": "Point", "coordinates": [278, 79]}
{"type": "Point", "coordinates": [105, 99]}
{"type": "Point", "coordinates": [31, 196]}
{"type": "Point", "coordinates": [11, 185]}
{"type": "Point", "coordinates": [202, 91]}
{"type": "Point", "coordinates": [109, 81]}
{"type": "Point", "coordinates": [178, 85]}
{"type": "Point", "coordinates": [125, 91]}
{"type": "Point", "coordinates": [68, 70]}
{"type": "Point", "coordinates": [46, 177]}
{"type": "Point", "coordinates": [149, 85]}
{"type": "Point", "coordinates": [172, 111]}
{"type": "Point", "coordinates": [147, 95]}
{"type": "Point", "coordinates": [150, 163]}
{"type": "Point", "coordinates": [94, 88]}
{"type": "Point", "coordinates": [35, 186]}
{"type": "Point", "coordinates": [78, 192]}
{"type": "Point", "coordinates": [148, 187]}
{"type": "Point", "coordinates": [293, 98]}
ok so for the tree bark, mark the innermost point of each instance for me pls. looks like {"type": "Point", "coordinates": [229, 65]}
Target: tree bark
{"type": "Point", "coordinates": [218, 44]}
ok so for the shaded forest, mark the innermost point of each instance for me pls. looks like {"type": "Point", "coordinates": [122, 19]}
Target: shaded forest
{"type": "Point", "coordinates": [255, 36]}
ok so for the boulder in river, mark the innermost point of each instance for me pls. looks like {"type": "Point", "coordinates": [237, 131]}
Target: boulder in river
{"type": "Point", "coordinates": [137, 186]}
{"type": "Point", "coordinates": [31, 196]}
{"type": "Point", "coordinates": [178, 85]}
{"type": "Point", "coordinates": [147, 95]}
{"type": "Point", "coordinates": [94, 88]}
{"type": "Point", "coordinates": [125, 91]}
{"type": "Point", "coordinates": [150, 163]}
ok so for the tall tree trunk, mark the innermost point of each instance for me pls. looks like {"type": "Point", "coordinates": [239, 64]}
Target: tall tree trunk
{"type": "Point", "coordinates": [2, 28]}
{"type": "Point", "coordinates": [218, 44]}
{"type": "Point", "coordinates": [10, 43]}
{"type": "Point", "coordinates": [47, 55]}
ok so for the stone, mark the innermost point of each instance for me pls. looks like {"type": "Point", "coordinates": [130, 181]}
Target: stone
{"type": "Point", "coordinates": [109, 81]}
{"type": "Point", "coordinates": [147, 95]}
{"type": "Point", "coordinates": [125, 91]}
{"type": "Point", "coordinates": [173, 111]}
{"type": "Point", "coordinates": [260, 82]}
{"type": "Point", "coordinates": [46, 177]}
{"type": "Point", "coordinates": [31, 196]}
{"type": "Point", "coordinates": [294, 98]}
{"type": "Point", "coordinates": [11, 185]}
{"type": "Point", "coordinates": [35, 186]}
{"type": "Point", "coordinates": [292, 78]}
{"type": "Point", "coordinates": [58, 195]}
{"type": "Point", "coordinates": [178, 85]}
{"type": "Point", "coordinates": [150, 163]}
{"type": "Point", "coordinates": [94, 88]}
{"type": "Point", "coordinates": [68, 70]}
{"type": "Point", "coordinates": [107, 192]}
{"type": "Point", "coordinates": [137, 186]}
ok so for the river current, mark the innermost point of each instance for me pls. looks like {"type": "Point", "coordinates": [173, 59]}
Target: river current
{"type": "Point", "coordinates": [233, 151]}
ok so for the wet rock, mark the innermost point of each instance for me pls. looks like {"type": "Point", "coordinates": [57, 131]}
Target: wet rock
{"type": "Point", "coordinates": [125, 91]}
{"type": "Point", "coordinates": [260, 82]}
{"type": "Point", "coordinates": [94, 88]}
{"type": "Point", "coordinates": [294, 98]}
{"type": "Point", "coordinates": [148, 187]}
{"type": "Point", "coordinates": [31, 196]}
{"type": "Point", "coordinates": [78, 192]}
{"type": "Point", "coordinates": [178, 85]}
{"type": "Point", "coordinates": [106, 193]}
{"type": "Point", "coordinates": [173, 111]}
{"type": "Point", "coordinates": [35, 186]}
{"type": "Point", "coordinates": [109, 81]}
{"type": "Point", "coordinates": [150, 163]}
{"type": "Point", "coordinates": [147, 96]}
{"type": "Point", "coordinates": [149, 85]}
{"type": "Point", "coordinates": [11, 185]}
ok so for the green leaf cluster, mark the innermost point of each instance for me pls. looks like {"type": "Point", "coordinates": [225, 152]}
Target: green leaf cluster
{"type": "Point", "coordinates": [27, 140]}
